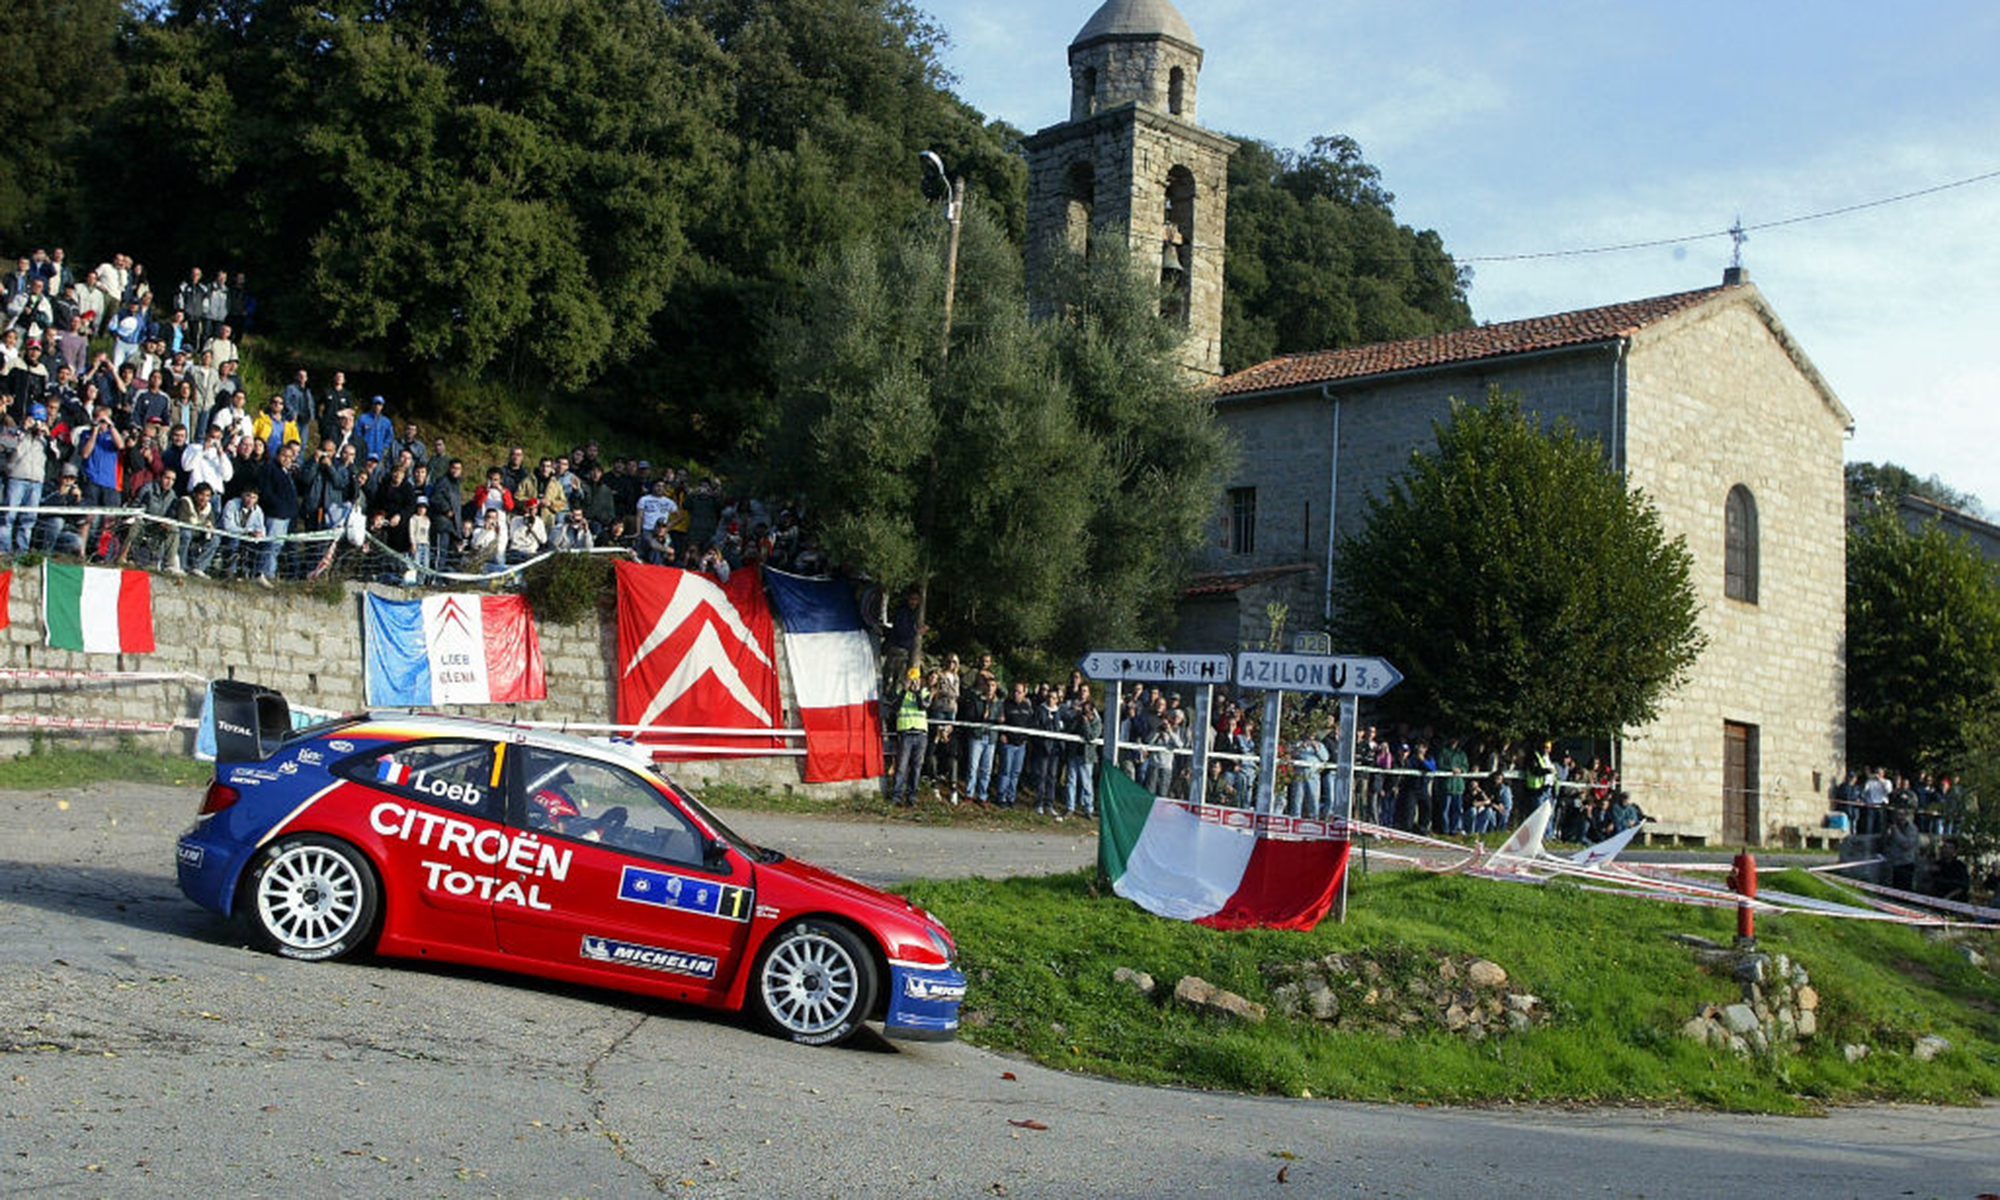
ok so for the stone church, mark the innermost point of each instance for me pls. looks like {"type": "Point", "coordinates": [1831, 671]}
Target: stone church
{"type": "Point", "coordinates": [1700, 398]}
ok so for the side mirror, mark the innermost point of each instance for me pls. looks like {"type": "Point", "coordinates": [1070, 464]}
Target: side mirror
{"type": "Point", "coordinates": [716, 853]}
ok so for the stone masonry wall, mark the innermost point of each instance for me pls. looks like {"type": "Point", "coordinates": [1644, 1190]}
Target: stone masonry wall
{"type": "Point", "coordinates": [1130, 152]}
{"type": "Point", "coordinates": [311, 651]}
{"type": "Point", "coordinates": [1282, 451]}
{"type": "Point", "coordinates": [1715, 401]}
{"type": "Point", "coordinates": [1132, 70]}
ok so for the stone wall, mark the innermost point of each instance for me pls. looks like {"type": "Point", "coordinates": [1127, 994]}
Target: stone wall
{"type": "Point", "coordinates": [1710, 399]}
{"type": "Point", "coordinates": [1130, 152]}
{"type": "Point", "coordinates": [1131, 71]}
{"type": "Point", "coordinates": [1716, 401]}
{"type": "Point", "coordinates": [1282, 446]}
{"type": "Point", "coordinates": [311, 651]}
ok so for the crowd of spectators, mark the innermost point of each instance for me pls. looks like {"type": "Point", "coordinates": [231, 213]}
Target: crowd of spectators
{"type": "Point", "coordinates": [158, 421]}
{"type": "Point", "coordinates": [990, 742]}
{"type": "Point", "coordinates": [1867, 796]}
{"type": "Point", "coordinates": [983, 739]}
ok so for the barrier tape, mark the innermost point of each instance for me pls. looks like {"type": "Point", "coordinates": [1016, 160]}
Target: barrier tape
{"type": "Point", "coordinates": [92, 724]}
{"type": "Point", "coordinates": [24, 673]}
{"type": "Point", "coordinates": [1918, 898]}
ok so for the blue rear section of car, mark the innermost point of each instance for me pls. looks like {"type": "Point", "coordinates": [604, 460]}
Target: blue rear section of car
{"type": "Point", "coordinates": [923, 1003]}
{"type": "Point", "coordinates": [211, 857]}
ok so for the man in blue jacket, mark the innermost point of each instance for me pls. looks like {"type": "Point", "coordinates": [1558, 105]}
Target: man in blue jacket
{"type": "Point", "coordinates": [281, 507]}
{"type": "Point", "coordinates": [377, 431]}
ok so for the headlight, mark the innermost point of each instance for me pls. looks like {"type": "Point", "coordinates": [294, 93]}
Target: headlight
{"type": "Point", "coordinates": [943, 944]}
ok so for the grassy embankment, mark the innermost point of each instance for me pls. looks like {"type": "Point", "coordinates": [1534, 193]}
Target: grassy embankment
{"type": "Point", "coordinates": [1040, 953]}
{"type": "Point", "coordinates": [45, 766]}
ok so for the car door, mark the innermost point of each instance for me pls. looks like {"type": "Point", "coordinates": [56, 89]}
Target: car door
{"type": "Point", "coordinates": [439, 807]}
{"type": "Point", "coordinates": [627, 891]}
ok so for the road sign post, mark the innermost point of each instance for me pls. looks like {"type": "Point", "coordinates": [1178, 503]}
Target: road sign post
{"type": "Point", "coordinates": [1201, 672]}
{"type": "Point", "coordinates": [1344, 675]}
{"type": "Point", "coordinates": [1155, 667]}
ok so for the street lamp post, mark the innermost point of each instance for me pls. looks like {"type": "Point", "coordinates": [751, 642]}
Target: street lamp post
{"type": "Point", "coordinates": [954, 213]}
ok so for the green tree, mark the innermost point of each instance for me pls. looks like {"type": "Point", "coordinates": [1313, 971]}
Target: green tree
{"type": "Point", "coordinates": [1162, 453]}
{"type": "Point", "coordinates": [489, 185]}
{"type": "Point", "coordinates": [1075, 464]}
{"type": "Point", "coordinates": [1923, 644]}
{"type": "Point", "coordinates": [1318, 261]}
{"type": "Point", "coordinates": [865, 404]}
{"type": "Point", "coordinates": [1519, 585]}
{"type": "Point", "coordinates": [1869, 484]}
{"type": "Point", "coordinates": [58, 69]}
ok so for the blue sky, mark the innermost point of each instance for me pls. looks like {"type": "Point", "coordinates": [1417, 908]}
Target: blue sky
{"type": "Point", "coordinates": [1516, 128]}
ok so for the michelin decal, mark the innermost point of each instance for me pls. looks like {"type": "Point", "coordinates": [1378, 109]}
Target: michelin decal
{"type": "Point", "coordinates": [652, 958]}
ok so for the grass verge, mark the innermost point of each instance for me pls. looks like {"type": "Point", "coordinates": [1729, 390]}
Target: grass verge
{"type": "Point", "coordinates": [1040, 954]}
{"type": "Point", "coordinates": [45, 766]}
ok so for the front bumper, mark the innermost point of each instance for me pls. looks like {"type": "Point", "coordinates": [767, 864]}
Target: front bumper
{"type": "Point", "coordinates": [923, 1003]}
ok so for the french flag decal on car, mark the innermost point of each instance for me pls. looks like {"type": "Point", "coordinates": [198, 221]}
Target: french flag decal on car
{"type": "Point", "coordinates": [391, 771]}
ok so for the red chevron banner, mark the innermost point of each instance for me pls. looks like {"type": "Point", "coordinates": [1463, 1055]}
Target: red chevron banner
{"type": "Point", "coordinates": [692, 652]}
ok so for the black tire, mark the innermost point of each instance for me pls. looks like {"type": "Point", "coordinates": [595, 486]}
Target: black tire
{"type": "Point", "coordinates": [814, 982]}
{"type": "Point", "coordinates": [311, 897]}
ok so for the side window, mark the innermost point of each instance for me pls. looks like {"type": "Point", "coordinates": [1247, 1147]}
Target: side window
{"type": "Point", "coordinates": [1739, 545]}
{"type": "Point", "coordinates": [597, 802]}
{"type": "Point", "coordinates": [461, 776]}
{"type": "Point", "coordinates": [1242, 520]}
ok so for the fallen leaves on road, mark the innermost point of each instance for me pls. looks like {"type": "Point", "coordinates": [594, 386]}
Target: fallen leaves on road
{"type": "Point", "coordinates": [1284, 1171]}
{"type": "Point", "coordinates": [1027, 1124]}
{"type": "Point", "coordinates": [1006, 1074]}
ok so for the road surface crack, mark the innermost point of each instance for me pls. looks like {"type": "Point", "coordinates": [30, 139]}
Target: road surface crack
{"type": "Point", "coordinates": [599, 1107]}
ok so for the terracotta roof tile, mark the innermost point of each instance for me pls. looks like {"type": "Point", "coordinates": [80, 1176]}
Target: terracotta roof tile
{"type": "Point", "coordinates": [1464, 345]}
{"type": "Point", "coordinates": [1221, 583]}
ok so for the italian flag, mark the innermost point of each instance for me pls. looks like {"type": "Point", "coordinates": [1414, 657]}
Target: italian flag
{"type": "Point", "coordinates": [1176, 861]}
{"type": "Point", "coordinates": [99, 610]}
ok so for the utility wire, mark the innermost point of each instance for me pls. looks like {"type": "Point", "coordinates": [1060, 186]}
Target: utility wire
{"type": "Point", "coordinates": [1715, 233]}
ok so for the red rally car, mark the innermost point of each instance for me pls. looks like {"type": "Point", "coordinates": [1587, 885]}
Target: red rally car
{"type": "Point", "coordinates": [483, 843]}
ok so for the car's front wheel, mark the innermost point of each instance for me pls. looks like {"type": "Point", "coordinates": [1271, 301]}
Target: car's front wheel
{"type": "Point", "coordinates": [814, 982]}
{"type": "Point", "coordinates": [312, 897]}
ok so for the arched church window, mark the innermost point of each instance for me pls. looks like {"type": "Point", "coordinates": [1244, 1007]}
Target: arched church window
{"type": "Point", "coordinates": [1080, 198]}
{"type": "Point", "coordinates": [1739, 545]}
{"type": "Point", "coordinates": [1177, 245]}
{"type": "Point", "coordinates": [1083, 101]}
{"type": "Point", "coordinates": [1176, 90]}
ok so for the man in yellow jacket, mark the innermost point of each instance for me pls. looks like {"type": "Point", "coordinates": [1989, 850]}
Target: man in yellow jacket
{"type": "Point", "coordinates": [271, 427]}
{"type": "Point", "coordinates": [912, 737]}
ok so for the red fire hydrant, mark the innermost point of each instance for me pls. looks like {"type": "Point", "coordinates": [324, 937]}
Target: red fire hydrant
{"type": "Point", "coordinates": [1743, 881]}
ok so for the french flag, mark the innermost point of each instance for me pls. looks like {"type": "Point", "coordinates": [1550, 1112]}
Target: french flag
{"type": "Point", "coordinates": [451, 649]}
{"type": "Point", "coordinates": [390, 771]}
{"type": "Point", "coordinates": [833, 676]}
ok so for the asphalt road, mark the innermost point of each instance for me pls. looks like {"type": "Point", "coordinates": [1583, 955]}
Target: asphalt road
{"type": "Point", "coordinates": [144, 1051]}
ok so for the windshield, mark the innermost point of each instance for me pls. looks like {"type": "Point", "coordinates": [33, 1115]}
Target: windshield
{"type": "Point", "coordinates": [743, 845]}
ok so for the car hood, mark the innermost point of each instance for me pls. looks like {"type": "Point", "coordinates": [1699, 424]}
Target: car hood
{"type": "Point", "coordinates": [834, 884]}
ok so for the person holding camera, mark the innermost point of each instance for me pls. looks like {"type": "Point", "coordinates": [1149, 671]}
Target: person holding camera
{"type": "Point", "coordinates": [98, 446]}
{"type": "Point", "coordinates": [574, 532]}
{"type": "Point", "coordinates": [26, 449]}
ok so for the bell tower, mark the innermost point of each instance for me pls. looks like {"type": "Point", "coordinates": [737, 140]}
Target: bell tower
{"type": "Point", "coordinates": [1130, 162]}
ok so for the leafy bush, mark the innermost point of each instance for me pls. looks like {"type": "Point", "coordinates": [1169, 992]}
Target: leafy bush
{"type": "Point", "coordinates": [569, 588]}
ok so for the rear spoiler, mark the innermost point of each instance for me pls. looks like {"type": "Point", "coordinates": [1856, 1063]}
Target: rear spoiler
{"type": "Point", "coordinates": [251, 722]}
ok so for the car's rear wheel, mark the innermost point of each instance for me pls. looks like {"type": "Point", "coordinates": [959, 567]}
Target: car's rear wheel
{"type": "Point", "coordinates": [312, 897]}
{"type": "Point", "coordinates": [814, 982]}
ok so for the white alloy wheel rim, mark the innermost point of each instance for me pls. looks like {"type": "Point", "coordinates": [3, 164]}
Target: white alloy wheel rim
{"type": "Point", "coordinates": [810, 983]}
{"type": "Point", "coordinates": [309, 897]}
